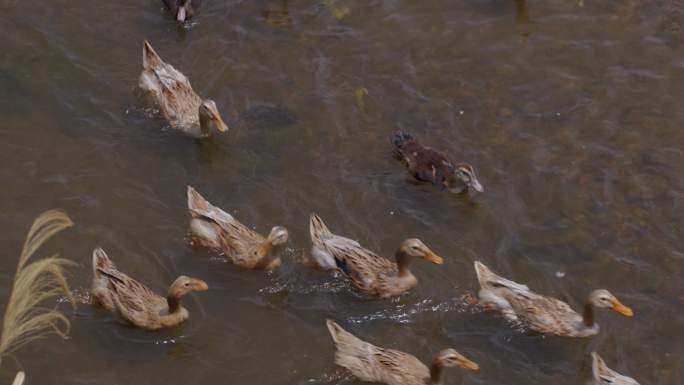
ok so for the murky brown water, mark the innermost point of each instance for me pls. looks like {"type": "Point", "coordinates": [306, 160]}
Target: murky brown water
{"type": "Point", "coordinates": [572, 116]}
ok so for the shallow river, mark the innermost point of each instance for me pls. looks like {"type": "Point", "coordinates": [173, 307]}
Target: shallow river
{"type": "Point", "coordinates": [572, 116]}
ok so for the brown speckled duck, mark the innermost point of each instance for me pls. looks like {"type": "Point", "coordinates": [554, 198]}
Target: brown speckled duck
{"type": "Point", "coordinates": [214, 228]}
{"type": "Point", "coordinates": [369, 272]}
{"type": "Point", "coordinates": [603, 375]}
{"type": "Point", "coordinates": [182, 10]}
{"type": "Point", "coordinates": [429, 165]}
{"type": "Point", "coordinates": [539, 313]}
{"type": "Point", "coordinates": [133, 301]}
{"type": "Point", "coordinates": [393, 367]}
{"type": "Point", "coordinates": [170, 91]}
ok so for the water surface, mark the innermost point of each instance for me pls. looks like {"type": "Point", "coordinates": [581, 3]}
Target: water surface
{"type": "Point", "coordinates": [571, 115]}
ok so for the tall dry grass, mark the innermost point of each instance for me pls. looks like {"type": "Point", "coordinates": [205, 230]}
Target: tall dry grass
{"type": "Point", "coordinates": [25, 320]}
{"type": "Point", "coordinates": [19, 379]}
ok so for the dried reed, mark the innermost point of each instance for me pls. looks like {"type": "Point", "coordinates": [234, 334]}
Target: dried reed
{"type": "Point", "coordinates": [34, 283]}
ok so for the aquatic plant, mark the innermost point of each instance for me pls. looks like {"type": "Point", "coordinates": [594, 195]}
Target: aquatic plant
{"type": "Point", "coordinates": [34, 283]}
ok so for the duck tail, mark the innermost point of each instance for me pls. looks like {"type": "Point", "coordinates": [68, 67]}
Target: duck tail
{"type": "Point", "coordinates": [201, 208]}
{"type": "Point", "coordinates": [341, 337]}
{"type": "Point", "coordinates": [598, 366]}
{"type": "Point", "coordinates": [150, 58]}
{"type": "Point", "coordinates": [400, 138]}
{"type": "Point", "coordinates": [486, 277]}
{"type": "Point", "coordinates": [316, 227]}
{"type": "Point", "coordinates": [348, 347]}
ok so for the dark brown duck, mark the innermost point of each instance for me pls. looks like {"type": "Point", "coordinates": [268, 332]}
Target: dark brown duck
{"type": "Point", "coordinates": [429, 165]}
{"type": "Point", "coordinates": [182, 10]}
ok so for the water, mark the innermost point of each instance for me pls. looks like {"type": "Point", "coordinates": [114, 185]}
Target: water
{"type": "Point", "coordinates": [571, 115]}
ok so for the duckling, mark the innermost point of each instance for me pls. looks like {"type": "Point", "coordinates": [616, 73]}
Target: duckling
{"type": "Point", "coordinates": [216, 229]}
{"type": "Point", "coordinates": [429, 165]}
{"type": "Point", "coordinates": [370, 273]}
{"type": "Point", "coordinates": [603, 375]}
{"type": "Point", "coordinates": [170, 91]}
{"type": "Point", "coordinates": [543, 314]}
{"type": "Point", "coordinates": [393, 367]}
{"type": "Point", "coordinates": [133, 301]}
{"type": "Point", "coordinates": [182, 10]}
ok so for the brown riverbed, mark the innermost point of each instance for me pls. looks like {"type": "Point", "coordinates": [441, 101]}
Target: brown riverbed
{"type": "Point", "coordinates": [571, 115]}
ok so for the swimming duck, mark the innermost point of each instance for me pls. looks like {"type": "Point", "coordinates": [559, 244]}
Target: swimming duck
{"type": "Point", "coordinates": [214, 228]}
{"type": "Point", "coordinates": [393, 367]}
{"type": "Point", "coordinates": [543, 314]}
{"type": "Point", "coordinates": [182, 10]}
{"type": "Point", "coordinates": [429, 165]}
{"type": "Point", "coordinates": [171, 92]}
{"type": "Point", "coordinates": [370, 273]}
{"type": "Point", "coordinates": [133, 301]}
{"type": "Point", "coordinates": [603, 375]}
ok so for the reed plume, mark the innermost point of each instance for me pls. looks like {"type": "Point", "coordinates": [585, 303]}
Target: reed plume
{"type": "Point", "coordinates": [25, 320]}
{"type": "Point", "coordinates": [19, 379]}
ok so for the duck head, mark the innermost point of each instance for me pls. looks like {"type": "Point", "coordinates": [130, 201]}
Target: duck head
{"type": "Point", "coordinates": [414, 247]}
{"type": "Point", "coordinates": [277, 236]}
{"type": "Point", "coordinates": [210, 118]}
{"type": "Point", "coordinates": [184, 285]}
{"type": "Point", "coordinates": [466, 174]}
{"type": "Point", "coordinates": [602, 298]}
{"type": "Point", "coordinates": [451, 358]}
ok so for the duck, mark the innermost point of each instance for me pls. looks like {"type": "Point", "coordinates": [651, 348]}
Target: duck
{"type": "Point", "coordinates": [372, 363]}
{"type": "Point", "coordinates": [182, 10]}
{"type": "Point", "coordinates": [603, 375]}
{"type": "Point", "coordinates": [216, 229]}
{"type": "Point", "coordinates": [370, 273]}
{"type": "Point", "coordinates": [429, 165]}
{"type": "Point", "coordinates": [170, 91]}
{"type": "Point", "coordinates": [543, 314]}
{"type": "Point", "coordinates": [135, 302]}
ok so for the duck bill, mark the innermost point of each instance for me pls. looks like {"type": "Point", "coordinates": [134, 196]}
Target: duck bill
{"type": "Point", "coordinates": [467, 364]}
{"type": "Point", "coordinates": [199, 285]}
{"type": "Point", "coordinates": [475, 184]}
{"type": "Point", "coordinates": [434, 258]}
{"type": "Point", "coordinates": [220, 124]}
{"type": "Point", "coordinates": [622, 309]}
{"type": "Point", "coordinates": [182, 14]}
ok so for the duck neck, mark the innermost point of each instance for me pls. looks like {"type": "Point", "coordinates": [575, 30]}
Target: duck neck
{"type": "Point", "coordinates": [173, 302]}
{"type": "Point", "coordinates": [268, 257]}
{"type": "Point", "coordinates": [588, 316]}
{"type": "Point", "coordinates": [403, 262]}
{"type": "Point", "coordinates": [435, 373]}
{"type": "Point", "coordinates": [205, 125]}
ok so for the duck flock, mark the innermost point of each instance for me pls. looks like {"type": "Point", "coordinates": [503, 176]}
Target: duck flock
{"type": "Point", "coordinates": [169, 91]}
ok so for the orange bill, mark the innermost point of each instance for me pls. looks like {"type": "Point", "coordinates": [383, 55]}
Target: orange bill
{"type": "Point", "coordinates": [622, 309]}
{"type": "Point", "coordinates": [434, 258]}
{"type": "Point", "coordinates": [467, 364]}
{"type": "Point", "coordinates": [199, 285]}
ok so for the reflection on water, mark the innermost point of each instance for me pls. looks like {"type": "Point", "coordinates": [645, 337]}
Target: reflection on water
{"type": "Point", "coordinates": [571, 115]}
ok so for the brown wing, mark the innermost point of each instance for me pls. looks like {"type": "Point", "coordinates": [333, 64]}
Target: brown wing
{"type": "Point", "coordinates": [364, 267]}
{"type": "Point", "coordinates": [397, 367]}
{"type": "Point", "coordinates": [545, 314]}
{"type": "Point", "coordinates": [240, 242]}
{"type": "Point", "coordinates": [169, 89]}
{"type": "Point", "coordinates": [427, 164]}
{"type": "Point", "coordinates": [133, 300]}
